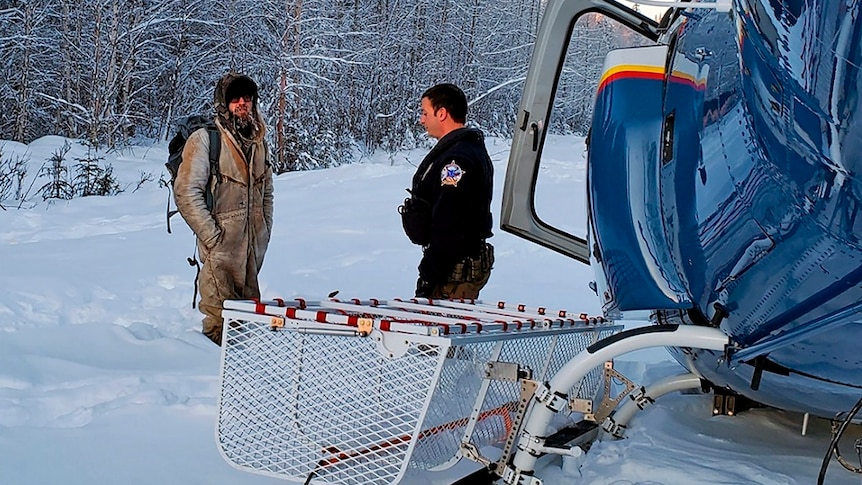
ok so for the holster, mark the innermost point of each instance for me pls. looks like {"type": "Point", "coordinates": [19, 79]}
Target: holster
{"type": "Point", "coordinates": [470, 269]}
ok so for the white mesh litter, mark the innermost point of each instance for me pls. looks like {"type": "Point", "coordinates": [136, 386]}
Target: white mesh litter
{"type": "Point", "coordinates": [361, 393]}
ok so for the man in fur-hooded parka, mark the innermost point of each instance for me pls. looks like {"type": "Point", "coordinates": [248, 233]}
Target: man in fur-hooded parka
{"type": "Point", "coordinates": [232, 237]}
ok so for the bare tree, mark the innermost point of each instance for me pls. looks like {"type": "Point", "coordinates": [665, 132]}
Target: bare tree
{"type": "Point", "coordinates": [336, 77]}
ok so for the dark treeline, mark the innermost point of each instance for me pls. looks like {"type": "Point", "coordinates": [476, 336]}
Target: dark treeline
{"type": "Point", "coordinates": [337, 77]}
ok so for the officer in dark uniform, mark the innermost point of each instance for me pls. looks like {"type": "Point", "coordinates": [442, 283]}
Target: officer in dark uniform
{"type": "Point", "coordinates": [449, 211]}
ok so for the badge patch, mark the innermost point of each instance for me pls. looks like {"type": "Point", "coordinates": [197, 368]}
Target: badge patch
{"type": "Point", "coordinates": [451, 174]}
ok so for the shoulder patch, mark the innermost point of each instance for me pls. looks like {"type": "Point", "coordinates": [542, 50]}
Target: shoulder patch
{"type": "Point", "coordinates": [451, 174]}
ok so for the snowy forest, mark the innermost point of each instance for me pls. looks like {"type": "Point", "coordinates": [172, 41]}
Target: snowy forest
{"type": "Point", "coordinates": [338, 78]}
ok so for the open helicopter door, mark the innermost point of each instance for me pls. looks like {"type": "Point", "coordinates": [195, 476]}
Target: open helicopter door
{"type": "Point", "coordinates": [518, 214]}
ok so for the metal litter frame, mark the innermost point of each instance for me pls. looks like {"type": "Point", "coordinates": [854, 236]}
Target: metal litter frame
{"type": "Point", "coordinates": [368, 392]}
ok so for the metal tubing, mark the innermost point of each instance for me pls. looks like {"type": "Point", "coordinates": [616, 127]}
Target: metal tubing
{"type": "Point", "coordinates": [536, 426]}
{"type": "Point", "coordinates": [655, 391]}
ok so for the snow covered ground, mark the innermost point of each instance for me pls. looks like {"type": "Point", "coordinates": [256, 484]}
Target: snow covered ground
{"type": "Point", "coordinates": [105, 378]}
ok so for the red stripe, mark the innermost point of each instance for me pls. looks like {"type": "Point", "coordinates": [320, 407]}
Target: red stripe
{"type": "Point", "coordinates": [320, 317]}
{"type": "Point", "coordinates": [656, 76]}
{"type": "Point", "coordinates": [259, 308]}
{"type": "Point", "coordinates": [687, 82]}
{"type": "Point", "coordinates": [291, 312]}
{"type": "Point", "coordinates": [384, 325]}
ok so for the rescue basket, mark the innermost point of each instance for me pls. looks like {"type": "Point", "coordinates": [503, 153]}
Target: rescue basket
{"type": "Point", "coordinates": [370, 392]}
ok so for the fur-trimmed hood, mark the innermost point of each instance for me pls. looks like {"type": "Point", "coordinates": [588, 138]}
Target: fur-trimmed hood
{"type": "Point", "coordinates": [234, 83]}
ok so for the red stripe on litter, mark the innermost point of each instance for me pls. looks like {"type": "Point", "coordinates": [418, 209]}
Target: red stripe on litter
{"type": "Point", "coordinates": [259, 308]}
{"type": "Point", "coordinates": [501, 412]}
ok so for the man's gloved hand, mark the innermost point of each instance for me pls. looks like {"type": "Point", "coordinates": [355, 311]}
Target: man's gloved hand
{"type": "Point", "coordinates": [423, 288]}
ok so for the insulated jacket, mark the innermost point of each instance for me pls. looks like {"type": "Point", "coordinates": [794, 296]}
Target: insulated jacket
{"type": "Point", "coordinates": [242, 195]}
{"type": "Point", "coordinates": [456, 181]}
{"type": "Point", "coordinates": [234, 235]}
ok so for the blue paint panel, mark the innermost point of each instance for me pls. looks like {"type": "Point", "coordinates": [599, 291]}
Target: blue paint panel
{"type": "Point", "coordinates": [778, 196]}
{"type": "Point", "coordinates": [623, 191]}
{"type": "Point", "coordinates": [679, 177]}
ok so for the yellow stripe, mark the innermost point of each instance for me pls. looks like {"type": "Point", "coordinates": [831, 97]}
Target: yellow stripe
{"type": "Point", "coordinates": [631, 68]}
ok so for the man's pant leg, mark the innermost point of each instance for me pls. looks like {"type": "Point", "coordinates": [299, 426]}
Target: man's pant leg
{"type": "Point", "coordinates": [212, 301]}
{"type": "Point", "coordinates": [465, 290]}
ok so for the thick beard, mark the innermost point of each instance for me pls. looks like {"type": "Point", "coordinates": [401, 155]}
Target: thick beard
{"type": "Point", "coordinates": [244, 122]}
{"type": "Point", "coordinates": [245, 126]}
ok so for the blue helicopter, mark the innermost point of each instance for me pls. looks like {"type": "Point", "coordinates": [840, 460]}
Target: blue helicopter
{"type": "Point", "coordinates": [723, 192]}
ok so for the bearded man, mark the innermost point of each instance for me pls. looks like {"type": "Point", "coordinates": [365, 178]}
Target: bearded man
{"type": "Point", "coordinates": [233, 235]}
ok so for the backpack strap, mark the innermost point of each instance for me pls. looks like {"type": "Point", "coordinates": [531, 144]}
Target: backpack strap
{"type": "Point", "coordinates": [168, 212]}
{"type": "Point", "coordinates": [215, 172]}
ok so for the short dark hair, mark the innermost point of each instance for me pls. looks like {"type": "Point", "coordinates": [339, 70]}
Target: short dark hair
{"type": "Point", "coordinates": [448, 96]}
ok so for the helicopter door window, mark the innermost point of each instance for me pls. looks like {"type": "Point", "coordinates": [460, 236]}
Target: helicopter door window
{"type": "Point", "coordinates": [593, 36]}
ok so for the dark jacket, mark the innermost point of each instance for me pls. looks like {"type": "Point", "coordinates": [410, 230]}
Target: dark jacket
{"type": "Point", "coordinates": [455, 182]}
